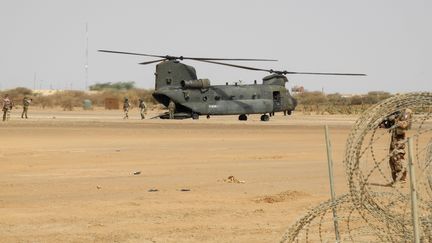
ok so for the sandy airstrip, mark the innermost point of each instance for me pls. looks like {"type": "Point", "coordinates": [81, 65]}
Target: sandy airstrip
{"type": "Point", "coordinates": [68, 176]}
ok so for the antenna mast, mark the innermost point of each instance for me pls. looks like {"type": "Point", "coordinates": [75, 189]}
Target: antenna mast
{"type": "Point", "coordinates": [34, 81]}
{"type": "Point", "coordinates": [86, 61]}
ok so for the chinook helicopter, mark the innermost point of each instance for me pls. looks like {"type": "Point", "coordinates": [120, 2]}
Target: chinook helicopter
{"type": "Point", "coordinates": [178, 88]}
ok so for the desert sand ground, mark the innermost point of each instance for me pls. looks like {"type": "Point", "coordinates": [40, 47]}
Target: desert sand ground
{"type": "Point", "coordinates": [69, 176]}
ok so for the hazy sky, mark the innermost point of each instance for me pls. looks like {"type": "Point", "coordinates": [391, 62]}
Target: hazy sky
{"type": "Point", "coordinates": [390, 40]}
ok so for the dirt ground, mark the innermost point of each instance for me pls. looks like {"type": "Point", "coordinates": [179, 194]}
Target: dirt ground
{"type": "Point", "coordinates": [69, 176]}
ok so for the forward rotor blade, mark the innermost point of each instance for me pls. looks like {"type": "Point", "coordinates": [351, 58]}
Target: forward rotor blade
{"type": "Point", "coordinates": [131, 53]}
{"type": "Point", "coordinates": [150, 62]}
{"type": "Point", "coordinates": [234, 65]}
{"type": "Point", "coordinates": [190, 58]}
{"type": "Point", "coordinates": [340, 74]}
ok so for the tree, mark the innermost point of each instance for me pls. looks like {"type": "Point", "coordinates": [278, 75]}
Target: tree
{"type": "Point", "coordinates": [113, 86]}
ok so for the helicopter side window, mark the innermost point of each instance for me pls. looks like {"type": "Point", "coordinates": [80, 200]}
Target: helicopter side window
{"type": "Point", "coordinates": [254, 96]}
{"type": "Point", "coordinates": [186, 95]}
{"type": "Point", "coordinates": [217, 97]}
{"type": "Point", "coordinates": [168, 80]}
{"type": "Point", "coordinates": [232, 97]}
{"type": "Point", "coordinates": [204, 98]}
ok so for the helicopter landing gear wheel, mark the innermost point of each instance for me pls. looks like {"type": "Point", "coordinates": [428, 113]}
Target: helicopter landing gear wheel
{"type": "Point", "coordinates": [289, 112]}
{"type": "Point", "coordinates": [208, 116]}
{"type": "Point", "coordinates": [195, 116]}
{"type": "Point", "coordinates": [265, 117]}
{"type": "Point", "coordinates": [242, 117]}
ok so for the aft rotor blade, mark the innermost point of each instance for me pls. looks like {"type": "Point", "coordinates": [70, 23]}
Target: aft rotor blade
{"type": "Point", "coordinates": [341, 74]}
{"type": "Point", "coordinates": [150, 62]}
{"type": "Point", "coordinates": [228, 59]}
{"type": "Point", "coordinates": [131, 53]}
{"type": "Point", "coordinates": [234, 65]}
{"type": "Point", "coordinates": [279, 72]}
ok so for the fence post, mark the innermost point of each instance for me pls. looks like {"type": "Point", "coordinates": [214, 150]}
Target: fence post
{"type": "Point", "coordinates": [413, 192]}
{"type": "Point", "coordinates": [332, 191]}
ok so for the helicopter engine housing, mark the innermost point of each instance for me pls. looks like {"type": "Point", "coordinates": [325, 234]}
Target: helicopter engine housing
{"type": "Point", "coordinates": [275, 79]}
{"type": "Point", "coordinates": [195, 84]}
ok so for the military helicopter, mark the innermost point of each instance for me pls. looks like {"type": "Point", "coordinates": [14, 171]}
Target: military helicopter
{"type": "Point", "coordinates": [178, 88]}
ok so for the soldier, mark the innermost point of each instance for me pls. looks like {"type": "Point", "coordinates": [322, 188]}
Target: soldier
{"type": "Point", "coordinates": [399, 123]}
{"type": "Point", "coordinates": [171, 109]}
{"type": "Point", "coordinates": [26, 103]}
{"type": "Point", "coordinates": [126, 106]}
{"type": "Point", "coordinates": [7, 107]}
{"type": "Point", "coordinates": [142, 106]}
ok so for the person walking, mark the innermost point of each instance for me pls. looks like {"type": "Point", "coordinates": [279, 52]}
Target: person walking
{"type": "Point", "coordinates": [126, 106]}
{"type": "Point", "coordinates": [142, 106]}
{"type": "Point", "coordinates": [26, 103]}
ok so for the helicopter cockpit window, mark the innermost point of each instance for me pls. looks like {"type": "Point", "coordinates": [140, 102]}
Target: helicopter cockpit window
{"type": "Point", "coordinates": [276, 96]}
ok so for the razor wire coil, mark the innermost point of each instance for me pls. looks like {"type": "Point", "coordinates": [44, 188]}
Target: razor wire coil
{"type": "Point", "coordinates": [372, 210]}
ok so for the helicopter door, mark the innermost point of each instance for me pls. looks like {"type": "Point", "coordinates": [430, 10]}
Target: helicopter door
{"type": "Point", "coordinates": [276, 101]}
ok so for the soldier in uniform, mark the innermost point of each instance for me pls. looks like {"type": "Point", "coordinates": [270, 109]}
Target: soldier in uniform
{"type": "Point", "coordinates": [7, 107]}
{"type": "Point", "coordinates": [401, 122]}
{"type": "Point", "coordinates": [26, 103]}
{"type": "Point", "coordinates": [142, 106]}
{"type": "Point", "coordinates": [171, 109]}
{"type": "Point", "coordinates": [126, 106]}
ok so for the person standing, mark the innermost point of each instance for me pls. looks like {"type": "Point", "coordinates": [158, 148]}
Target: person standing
{"type": "Point", "coordinates": [171, 109]}
{"type": "Point", "coordinates": [142, 106]}
{"type": "Point", "coordinates": [26, 103]}
{"type": "Point", "coordinates": [7, 107]}
{"type": "Point", "coordinates": [126, 106]}
{"type": "Point", "coordinates": [400, 122]}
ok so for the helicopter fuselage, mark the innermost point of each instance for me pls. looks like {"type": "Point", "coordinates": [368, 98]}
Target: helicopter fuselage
{"type": "Point", "coordinates": [178, 82]}
{"type": "Point", "coordinates": [228, 99]}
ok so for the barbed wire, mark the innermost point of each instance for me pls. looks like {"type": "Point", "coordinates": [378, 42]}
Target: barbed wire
{"type": "Point", "coordinates": [374, 209]}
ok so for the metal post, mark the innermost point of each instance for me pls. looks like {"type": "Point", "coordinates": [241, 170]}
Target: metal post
{"type": "Point", "coordinates": [332, 191]}
{"type": "Point", "coordinates": [413, 191]}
